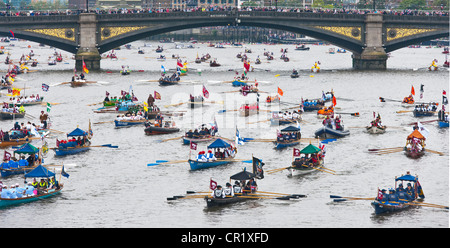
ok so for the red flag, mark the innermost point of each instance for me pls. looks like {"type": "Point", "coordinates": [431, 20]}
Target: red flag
{"type": "Point", "coordinates": [7, 156]}
{"type": "Point", "coordinates": [193, 146]}
{"type": "Point", "coordinates": [444, 93]}
{"type": "Point", "coordinates": [212, 184]}
{"type": "Point", "coordinates": [280, 91]}
{"type": "Point", "coordinates": [296, 152]}
{"type": "Point", "coordinates": [412, 91]}
{"type": "Point", "coordinates": [205, 92]}
{"type": "Point", "coordinates": [157, 96]}
{"type": "Point", "coordinates": [179, 63]}
{"type": "Point", "coordinates": [380, 195]}
{"type": "Point", "coordinates": [334, 101]}
{"type": "Point", "coordinates": [247, 65]}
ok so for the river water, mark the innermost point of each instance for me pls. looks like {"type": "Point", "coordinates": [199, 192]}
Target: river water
{"type": "Point", "coordinates": [115, 188]}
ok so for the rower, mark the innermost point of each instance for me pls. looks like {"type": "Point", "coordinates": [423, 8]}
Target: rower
{"type": "Point", "coordinates": [392, 197]}
{"type": "Point", "coordinates": [237, 187]}
{"type": "Point", "coordinates": [218, 192]}
{"type": "Point", "coordinates": [228, 191]}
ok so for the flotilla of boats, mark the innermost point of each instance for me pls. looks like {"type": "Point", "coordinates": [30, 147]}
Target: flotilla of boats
{"type": "Point", "coordinates": [220, 150]}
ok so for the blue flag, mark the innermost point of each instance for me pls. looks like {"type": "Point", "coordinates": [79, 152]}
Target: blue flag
{"type": "Point", "coordinates": [63, 173]}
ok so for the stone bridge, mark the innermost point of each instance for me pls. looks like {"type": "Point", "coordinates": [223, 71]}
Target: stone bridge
{"type": "Point", "coordinates": [369, 37]}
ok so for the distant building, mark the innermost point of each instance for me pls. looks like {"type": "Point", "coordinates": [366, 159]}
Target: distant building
{"type": "Point", "coordinates": [80, 4]}
{"type": "Point", "coordinates": [156, 4]}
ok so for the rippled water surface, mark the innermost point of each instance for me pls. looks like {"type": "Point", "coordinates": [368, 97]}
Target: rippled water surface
{"type": "Point", "coordinates": [115, 187]}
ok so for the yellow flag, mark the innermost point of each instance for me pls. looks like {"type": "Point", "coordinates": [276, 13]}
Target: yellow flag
{"type": "Point", "coordinates": [145, 107]}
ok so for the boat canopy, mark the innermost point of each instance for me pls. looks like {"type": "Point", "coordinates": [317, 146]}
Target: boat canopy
{"type": "Point", "coordinates": [406, 177]}
{"type": "Point", "coordinates": [416, 134]}
{"type": "Point", "coordinates": [219, 143]}
{"type": "Point", "coordinates": [77, 132]}
{"type": "Point", "coordinates": [40, 171]}
{"type": "Point", "coordinates": [290, 129]}
{"type": "Point", "coordinates": [27, 148]}
{"type": "Point", "coordinates": [310, 149]}
{"type": "Point", "coordinates": [243, 175]}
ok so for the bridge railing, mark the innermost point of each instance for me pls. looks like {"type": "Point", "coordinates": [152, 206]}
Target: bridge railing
{"type": "Point", "coordinates": [180, 14]}
{"type": "Point", "coordinates": [308, 15]}
{"type": "Point", "coordinates": [412, 18]}
{"type": "Point", "coordinates": [28, 19]}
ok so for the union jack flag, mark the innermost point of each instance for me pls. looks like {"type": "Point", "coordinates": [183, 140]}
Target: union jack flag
{"type": "Point", "coordinates": [45, 87]}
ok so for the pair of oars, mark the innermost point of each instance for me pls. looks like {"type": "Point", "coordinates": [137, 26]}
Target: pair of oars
{"type": "Point", "coordinates": [412, 203]}
{"type": "Point", "coordinates": [381, 151]}
{"type": "Point", "coordinates": [165, 162]}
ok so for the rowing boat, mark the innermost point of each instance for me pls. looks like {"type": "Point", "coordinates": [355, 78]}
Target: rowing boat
{"type": "Point", "coordinates": [401, 200]}
{"type": "Point", "coordinates": [238, 83]}
{"type": "Point", "coordinates": [128, 123]}
{"type": "Point", "coordinates": [289, 136]}
{"type": "Point", "coordinates": [217, 202]}
{"type": "Point", "coordinates": [10, 116]}
{"type": "Point", "coordinates": [302, 165]}
{"type": "Point", "coordinates": [376, 129]}
{"type": "Point", "coordinates": [415, 145]}
{"type": "Point", "coordinates": [74, 147]}
{"type": "Point", "coordinates": [418, 113]}
{"type": "Point", "coordinates": [187, 140]}
{"type": "Point", "coordinates": [152, 130]}
{"type": "Point", "coordinates": [202, 162]}
{"type": "Point", "coordinates": [327, 132]}
{"type": "Point", "coordinates": [197, 165]}
{"type": "Point", "coordinates": [34, 102]}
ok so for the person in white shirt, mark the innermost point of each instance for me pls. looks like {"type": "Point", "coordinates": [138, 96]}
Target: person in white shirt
{"type": "Point", "coordinates": [228, 191]}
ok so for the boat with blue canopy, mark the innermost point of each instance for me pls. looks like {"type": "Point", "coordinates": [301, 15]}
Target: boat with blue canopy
{"type": "Point", "coordinates": [399, 198]}
{"type": "Point", "coordinates": [21, 166]}
{"type": "Point", "coordinates": [79, 142]}
{"type": "Point", "coordinates": [38, 172]}
{"type": "Point", "coordinates": [217, 158]}
{"type": "Point", "coordinates": [289, 136]}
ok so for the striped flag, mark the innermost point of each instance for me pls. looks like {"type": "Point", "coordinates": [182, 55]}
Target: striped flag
{"type": "Point", "coordinates": [205, 92]}
{"type": "Point", "coordinates": [49, 107]}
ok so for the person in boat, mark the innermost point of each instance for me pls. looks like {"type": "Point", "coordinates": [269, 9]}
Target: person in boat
{"type": "Point", "coordinates": [392, 196]}
{"type": "Point", "coordinates": [338, 124]}
{"type": "Point", "coordinates": [196, 134]}
{"type": "Point", "coordinates": [294, 72]}
{"type": "Point", "coordinates": [29, 190]}
{"type": "Point", "coordinates": [23, 162]}
{"type": "Point", "coordinates": [43, 118]}
{"type": "Point", "coordinates": [20, 192]}
{"type": "Point", "coordinates": [42, 186]}
{"type": "Point", "coordinates": [237, 187]}
{"type": "Point", "coordinates": [210, 156]}
{"type": "Point", "coordinates": [189, 134]}
{"type": "Point", "coordinates": [328, 122]}
{"type": "Point", "coordinates": [82, 76]}
{"type": "Point", "coordinates": [410, 191]}
{"type": "Point", "coordinates": [409, 99]}
{"type": "Point", "coordinates": [218, 192]}
{"type": "Point", "coordinates": [228, 191]}
{"type": "Point", "coordinates": [383, 196]}
{"type": "Point", "coordinates": [201, 157]}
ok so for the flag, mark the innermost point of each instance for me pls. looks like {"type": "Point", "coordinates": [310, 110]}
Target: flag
{"type": "Point", "coordinates": [90, 130]}
{"type": "Point", "coordinates": [205, 92]}
{"type": "Point", "coordinates": [421, 91]}
{"type": "Point", "coordinates": [296, 152]}
{"type": "Point", "coordinates": [163, 70]}
{"type": "Point", "coordinates": [334, 100]}
{"type": "Point", "coordinates": [157, 96]}
{"type": "Point", "coordinates": [11, 32]}
{"type": "Point", "coordinates": [7, 156]}
{"type": "Point", "coordinates": [298, 125]}
{"type": "Point", "coordinates": [412, 91]}
{"type": "Point", "coordinates": [239, 140]}
{"type": "Point", "coordinates": [85, 69]}
{"type": "Point", "coordinates": [179, 63]}
{"type": "Point", "coordinates": [16, 92]}
{"type": "Point", "coordinates": [257, 168]}
{"type": "Point", "coordinates": [323, 148]}
{"type": "Point", "coordinates": [423, 130]}
{"type": "Point", "coordinates": [45, 87]}
{"type": "Point", "coordinates": [64, 173]}
{"type": "Point", "coordinates": [44, 147]}
{"type": "Point", "coordinates": [444, 98]}
{"type": "Point", "coordinates": [247, 65]}
{"type": "Point", "coordinates": [49, 107]}
{"type": "Point", "coordinates": [212, 184]}
{"type": "Point", "coordinates": [419, 191]}
{"type": "Point", "coordinates": [107, 93]}
{"type": "Point", "coordinates": [380, 195]}
{"type": "Point", "coordinates": [280, 91]}
{"type": "Point", "coordinates": [145, 106]}
{"type": "Point", "coordinates": [193, 146]}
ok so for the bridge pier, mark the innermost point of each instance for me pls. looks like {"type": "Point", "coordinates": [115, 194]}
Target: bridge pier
{"type": "Point", "coordinates": [374, 56]}
{"type": "Point", "coordinates": [87, 49]}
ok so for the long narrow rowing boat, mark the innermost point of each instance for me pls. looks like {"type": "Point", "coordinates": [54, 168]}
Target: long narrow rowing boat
{"type": "Point", "coordinates": [128, 123]}
{"type": "Point", "coordinates": [4, 202]}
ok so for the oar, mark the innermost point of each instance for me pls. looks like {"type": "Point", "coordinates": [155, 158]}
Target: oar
{"type": "Point", "coordinates": [318, 169]}
{"type": "Point", "coordinates": [414, 123]}
{"type": "Point", "coordinates": [176, 104]}
{"type": "Point", "coordinates": [381, 149]}
{"type": "Point", "coordinates": [107, 145]}
{"type": "Point", "coordinates": [167, 162]}
{"type": "Point", "coordinates": [344, 198]}
{"type": "Point", "coordinates": [429, 204]}
{"type": "Point", "coordinates": [403, 111]}
{"type": "Point", "coordinates": [185, 197]}
{"type": "Point", "coordinates": [160, 141]}
{"type": "Point", "coordinates": [196, 192]}
{"type": "Point", "coordinates": [352, 114]}
{"type": "Point", "coordinates": [436, 152]}
{"type": "Point", "coordinates": [382, 99]}
{"type": "Point", "coordinates": [426, 205]}
{"type": "Point", "coordinates": [277, 170]}
{"type": "Point", "coordinates": [102, 122]}
{"type": "Point", "coordinates": [274, 193]}
{"type": "Point", "coordinates": [388, 152]}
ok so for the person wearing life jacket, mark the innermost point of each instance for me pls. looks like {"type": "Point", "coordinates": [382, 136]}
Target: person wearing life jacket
{"type": "Point", "coordinates": [218, 192]}
{"type": "Point", "coordinates": [210, 156]}
{"type": "Point", "coordinates": [228, 191]}
{"type": "Point", "coordinates": [35, 183]}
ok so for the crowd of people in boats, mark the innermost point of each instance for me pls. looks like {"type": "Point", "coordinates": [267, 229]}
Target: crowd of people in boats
{"type": "Point", "coordinates": [22, 131]}
{"type": "Point", "coordinates": [174, 78]}
{"type": "Point", "coordinates": [376, 122]}
{"type": "Point", "coordinates": [140, 115]}
{"type": "Point", "coordinates": [426, 107]}
{"type": "Point", "coordinates": [13, 109]}
{"type": "Point", "coordinates": [240, 187]}
{"type": "Point", "coordinates": [288, 136]}
{"type": "Point", "coordinates": [203, 133]}
{"type": "Point", "coordinates": [77, 77]}
{"type": "Point", "coordinates": [413, 12]}
{"type": "Point", "coordinates": [408, 99]}
{"type": "Point", "coordinates": [24, 99]}
{"type": "Point", "coordinates": [218, 154]}
{"type": "Point", "coordinates": [287, 115]}
{"type": "Point", "coordinates": [72, 142]}
{"type": "Point", "coordinates": [400, 193]}
{"type": "Point", "coordinates": [307, 159]}
{"type": "Point", "coordinates": [330, 121]}
{"type": "Point", "coordinates": [34, 188]}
